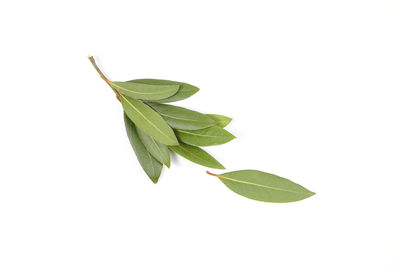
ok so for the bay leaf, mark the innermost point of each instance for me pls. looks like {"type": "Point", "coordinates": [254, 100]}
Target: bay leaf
{"type": "Point", "coordinates": [159, 151]}
{"type": "Point", "coordinates": [182, 118]}
{"type": "Point", "coordinates": [210, 136]}
{"type": "Point", "coordinates": [263, 186]}
{"type": "Point", "coordinates": [149, 164]}
{"type": "Point", "coordinates": [196, 155]}
{"type": "Point", "coordinates": [145, 91]}
{"type": "Point", "coordinates": [185, 90]}
{"type": "Point", "coordinates": [221, 120]}
{"type": "Point", "coordinates": [148, 121]}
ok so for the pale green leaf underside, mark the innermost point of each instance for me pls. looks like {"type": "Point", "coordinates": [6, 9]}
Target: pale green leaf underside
{"type": "Point", "coordinates": [210, 136]}
{"type": "Point", "coordinates": [264, 186]}
{"type": "Point", "coordinates": [149, 164]}
{"type": "Point", "coordinates": [197, 155]}
{"type": "Point", "coordinates": [185, 90]}
{"type": "Point", "coordinates": [148, 121]}
{"type": "Point", "coordinates": [182, 118]}
{"type": "Point", "coordinates": [159, 151]}
{"type": "Point", "coordinates": [145, 91]}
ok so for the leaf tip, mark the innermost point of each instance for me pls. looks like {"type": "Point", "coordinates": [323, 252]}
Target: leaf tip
{"type": "Point", "coordinates": [174, 143]}
{"type": "Point", "coordinates": [154, 180]}
{"type": "Point", "coordinates": [310, 194]}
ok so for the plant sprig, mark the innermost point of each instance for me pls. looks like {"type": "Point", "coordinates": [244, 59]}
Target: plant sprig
{"type": "Point", "coordinates": [156, 129]}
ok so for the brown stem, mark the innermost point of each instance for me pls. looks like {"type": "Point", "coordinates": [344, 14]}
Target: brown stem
{"type": "Point", "coordinates": [213, 174]}
{"type": "Point", "coordinates": [117, 93]}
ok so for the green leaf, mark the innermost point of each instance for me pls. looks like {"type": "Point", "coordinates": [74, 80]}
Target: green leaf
{"type": "Point", "coordinates": [263, 186]}
{"type": "Point", "coordinates": [182, 118]}
{"type": "Point", "coordinates": [149, 121]}
{"type": "Point", "coordinates": [210, 136]}
{"type": "Point", "coordinates": [221, 120]}
{"type": "Point", "coordinates": [149, 164]}
{"type": "Point", "coordinates": [145, 91]}
{"type": "Point", "coordinates": [157, 150]}
{"type": "Point", "coordinates": [185, 90]}
{"type": "Point", "coordinates": [196, 155]}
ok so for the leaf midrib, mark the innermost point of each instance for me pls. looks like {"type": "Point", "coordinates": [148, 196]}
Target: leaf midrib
{"type": "Point", "coordinates": [194, 154]}
{"type": "Point", "coordinates": [260, 185]}
{"type": "Point", "coordinates": [166, 89]}
{"type": "Point", "coordinates": [179, 118]}
{"type": "Point", "coordinates": [130, 104]}
{"type": "Point", "coordinates": [217, 136]}
{"type": "Point", "coordinates": [158, 148]}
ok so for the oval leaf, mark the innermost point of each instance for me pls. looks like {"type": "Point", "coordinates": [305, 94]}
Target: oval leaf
{"type": "Point", "coordinates": [145, 91]}
{"type": "Point", "coordinates": [210, 136]}
{"type": "Point", "coordinates": [149, 164]}
{"type": "Point", "coordinates": [221, 120]}
{"type": "Point", "coordinates": [196, 155]}
{"type": "Point", "coordinates": [182, 118]}
{"type": "Point", "coordinates": [185, 90]}
{"type": "Point", "coordinates": [148, 121]}
{"type": "Point", "coordinates": [263, 186]}
{"type": "Point", "coordinates": [157, 150]}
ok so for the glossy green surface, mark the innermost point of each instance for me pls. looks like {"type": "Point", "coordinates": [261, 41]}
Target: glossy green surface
{"type": "Point", "coordinates": [149, 164]}
{"type": "Point", "coordinates": [159, 151]}
{"type": "Point", "coordinates": [145, 91]}
{"type": "Point", "coordinates": [264, 186]}
{"type": "Point", "coordinates": [197, 155]}
{"type": "Point", "coordinates": [221, 120]}
{"type": "Point", "coordinates": [148, 121]}
{"type": "Point", "coordinates": [210, 136]}
{"type": "Point", "coordinates": [182, 118]}
{"type": "Point", "coordinates": [185, 90]}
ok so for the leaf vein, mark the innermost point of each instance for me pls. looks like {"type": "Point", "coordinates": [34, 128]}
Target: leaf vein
{"type": "Point", "coordinates": [145, 117]}
{"type": "Point", "coordinates": [260, 185]}
{"type": "Point", "coordinates": [138, 92]}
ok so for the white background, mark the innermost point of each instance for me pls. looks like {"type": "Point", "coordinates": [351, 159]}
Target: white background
{"type": "Point", "coordinates": [313, 87]}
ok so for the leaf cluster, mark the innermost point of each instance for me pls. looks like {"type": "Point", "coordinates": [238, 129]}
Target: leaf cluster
{"type": "Point", "coordinates": [156, 129]}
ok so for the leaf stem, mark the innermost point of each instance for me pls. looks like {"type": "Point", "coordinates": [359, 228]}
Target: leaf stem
{"type": "Point", "coordinates": [117, 93]}
{"type": "Point", "coordinates": [213, 174]}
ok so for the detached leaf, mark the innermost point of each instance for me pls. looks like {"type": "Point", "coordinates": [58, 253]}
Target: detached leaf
{"type": "Point", "coordinates": [197, 155]}
{"type": "Point", "coordinates": [149, 164]}
{"type": "Point", "coordinates": [263, 186]}
{"type": "Point", "coordinates": [157, 150]}
{"type": "Point", "coordinates": [221, 120]}
{"type": "Point", "coordinates": [182, 118]}
{"type": "Point", "coordinates": [210, 136]}
{"type": "Point", "coordinates": [148, 121]}
{"type": "Point", "coordinates": [185, 90]}
{"type": "Point", "coordinates": [145, 91]}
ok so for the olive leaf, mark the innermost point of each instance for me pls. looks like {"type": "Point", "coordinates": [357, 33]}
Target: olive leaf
{"type": "Point", "coordinates": [159, 151]}
{"type": "Point", "coordinates": [210, 136]}
{"type": "Point", "coordinates": [148, 121]}
{"type": "Point", "coordinates": [185, 90]}
{"type": "Point", "coordinates": [221, 120]}
{"type": "Point", "coordinates": [149, 164]}
{"type": "Point", "coordinates": [145, 91]}
{"type": "Point", "coordinates": [196, 155]}
{"type": "Point", "coordinates": [182, 118]}
{"type": "Point", "coordinates": [263, 186]}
